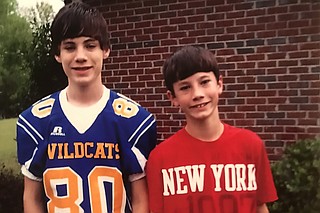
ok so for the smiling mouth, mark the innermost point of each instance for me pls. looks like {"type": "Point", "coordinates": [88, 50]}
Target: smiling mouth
{"type": "Point", "coordinates": [81, 68]}
{"type": "Point", "coordinates": [199, 105]}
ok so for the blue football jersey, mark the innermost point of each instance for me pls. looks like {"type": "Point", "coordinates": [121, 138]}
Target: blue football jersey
{"type": "Point", "coordinates": [86, 157]}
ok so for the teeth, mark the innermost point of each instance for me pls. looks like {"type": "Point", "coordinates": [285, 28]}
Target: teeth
{"type": "Point", "coordinates": [201, 105]}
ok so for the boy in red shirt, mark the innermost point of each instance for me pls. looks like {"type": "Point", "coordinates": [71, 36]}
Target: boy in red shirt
{"type": "Point", "coordinates": [207, 166]}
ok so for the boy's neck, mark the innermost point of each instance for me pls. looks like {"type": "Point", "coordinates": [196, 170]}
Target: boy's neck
{"type": "Point", "coordinates": [208, 130]}
{"type": "Point", "coordinates": [84, 96]}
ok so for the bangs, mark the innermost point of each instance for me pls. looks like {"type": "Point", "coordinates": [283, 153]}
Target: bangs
{"type": "Point", "coordinates": [80, 25]}
{"type": "Point", "coordinates": [189, 64]}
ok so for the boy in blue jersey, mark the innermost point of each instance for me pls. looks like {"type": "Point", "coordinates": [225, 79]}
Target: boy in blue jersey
{"type": "Point", "coordinates": [84, 149]}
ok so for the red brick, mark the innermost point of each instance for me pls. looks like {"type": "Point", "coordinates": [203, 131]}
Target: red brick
{"type": "Point", "coordinates": [310, 77]}
{"type": "Point", "coordinates": [178, 35]}
{"type": "Point", "coordinates": [255, 72]}
{"type": "Point", "coordinates": [235, 115]}
{"type": "Point", "coordinates": [310, 30]}
{"type": "Point", "coordinates": [246, 65]}
{"type": "Point", "coordinates": [185, 27]}
{"type": "Point", "coordinates": [246, 35]}
{"type": "Point", "coordinates": [255, 27]}
{"type": "Point", "coordinates": [310, 46]}
{"type": "Point", "coordinates": [288, 32]}
{"type": "Point", "coordinates": [244, 122]}
{"type": "Point", "coordinates": [278, 100]}
{"type": "Point", "coordinates": [266, 64]}
{"type": "Point", "coordinates": [256, 101]}
{"type": "Point", "coordinates": [196, 4]}
{"type": "Point", "coordinates": [315, 61]}
{"type": "Point", "coordinates": [276, 55]}
{"type": "Point", "coordinates": [235, 58]}
{"type": "Point", "coordinates": [255, 57]}
{"type": "Point", "coordinates": [225, 52]}
{"type": "Point", "coordinates": [223, 8]}
{"type": "Point", "coordinates": [276, 25]}
{"type": "Point", "coordinates": [179, 6]}
{"type": "Point", "coordinates": [277, 10]}
{"type": "Point", "coordinates": [299, 7]}
{"type": "Point", "coordinates": [300, 54]}
{"type": "Point", "coordinates": [204, 10]}
{"type": "Point", "coordinates": [298, 39]}
{"type": "Point", "coordinates": [179, 20]}
{"type": "Point", "coordinates": [244, 21]}
{"type": "Point", "coordinates": [246, 94]}
{"type": "Point", "coordinates": [169, 42]}
{"type": "Point", "coordinates": [266, 19]}
{"type": "Point", "coordinates": [266, 93]}
{"type": "Point", "coordinates": [187, 40]}
{"type": "Point", "coordinates": [235, 14]}
{"type": "Point", "coordinates": [288, 78]}
{"type": "Point", "coordinates": [256, 12]}
{"type": "Point", "coordinates": [235, 29]}
{"type": "Point", "coordinates": [288, 17]}
{"type": "Point", "coordinates": [197, 18]}
{"type": "Point", "coordinates": [216, 16]}
{"type": "Point", "coordinates": [256, 86]}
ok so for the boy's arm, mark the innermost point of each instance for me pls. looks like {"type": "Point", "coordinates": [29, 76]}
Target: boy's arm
{"type": "Point", "coordinates": [262, 208]}
{"type": "Point", "coordinates": [139, 196]}
{"type": "Point", "coordinates": [33, 196]}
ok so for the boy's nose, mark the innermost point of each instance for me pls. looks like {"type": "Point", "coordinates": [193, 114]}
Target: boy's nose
{"type": "Point", "coordinates": [197, 93]}
{"type": "Point", "coordinates": [80, 55]}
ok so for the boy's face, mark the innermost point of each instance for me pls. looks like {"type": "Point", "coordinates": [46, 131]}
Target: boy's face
{"type": "Point", "coordinates": [197, 95]}
{"type": "Point", "coordinates": [82, 60]}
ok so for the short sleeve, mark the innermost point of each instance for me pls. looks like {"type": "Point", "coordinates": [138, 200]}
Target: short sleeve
{"type": "Point", "coordinates": [266, 191]}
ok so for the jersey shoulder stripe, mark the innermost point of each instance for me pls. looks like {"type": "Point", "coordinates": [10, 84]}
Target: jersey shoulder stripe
{"type": "Point", "coordinates": [32, 128]}
{"type": "Point", "coordinates": [35, 117]}
{"type": "Point", "coordinates": [133, 117]}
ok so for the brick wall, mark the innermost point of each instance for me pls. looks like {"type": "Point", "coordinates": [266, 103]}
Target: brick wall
{"type": "Point", "coordinates": [268, 53]}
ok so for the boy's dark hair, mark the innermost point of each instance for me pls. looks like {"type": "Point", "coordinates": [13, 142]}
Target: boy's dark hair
{"type": "Point", "coordinates": [187, 61]}
{"type": "Point", "coordinates": [78, 19]}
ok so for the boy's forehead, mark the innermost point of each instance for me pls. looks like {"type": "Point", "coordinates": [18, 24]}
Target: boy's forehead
{"type": "Point", "coordinates": [196, 76]}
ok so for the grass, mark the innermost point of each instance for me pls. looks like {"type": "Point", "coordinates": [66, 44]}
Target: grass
{"type": "Point", "coordinates": [8, 144]}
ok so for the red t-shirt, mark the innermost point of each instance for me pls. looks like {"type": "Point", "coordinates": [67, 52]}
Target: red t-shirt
{"type": "Point", "coordinates": [231, 174]}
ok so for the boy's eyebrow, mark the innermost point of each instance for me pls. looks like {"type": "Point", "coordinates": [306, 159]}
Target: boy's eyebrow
{"type": "Point", "coordinates": [90, 40]}
{"type": "Point", "coordinates": [67, 42]}
{"type": "Point", "coordinates": [204, 76]}
{"type": "Point", "coordinates": [70, 41]}
{"type": "Point", "coordinates": [183, 81]}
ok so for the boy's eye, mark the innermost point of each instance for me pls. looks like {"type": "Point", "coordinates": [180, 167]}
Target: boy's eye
{"type": "Point", "coordinates": [184, 87]}
{"type": "Point", "coordinates": [205, 81]}
{"type": "Point", "coordinates": [69, 47]}
{"type": "Point", "coordinates": [91, 46]}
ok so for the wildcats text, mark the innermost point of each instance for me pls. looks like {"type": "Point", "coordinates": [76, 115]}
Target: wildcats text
{"type": "Point", "coordinates": [78, 150]}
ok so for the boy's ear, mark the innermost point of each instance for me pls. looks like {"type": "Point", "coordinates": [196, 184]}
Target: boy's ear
{"type": "Point", "coordinates": [57, 57]}
{"type": "Point", "coordinates": [106, 53]}
{"type": "Point", "coordinates": [172, 98]}
{"type": "Point", "coordinates": [220, 84]}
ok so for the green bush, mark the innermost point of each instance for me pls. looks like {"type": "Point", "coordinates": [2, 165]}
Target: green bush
{"type": "Point", "coordinates": [297, 178]}
{"type": "Point", "coordinates": [11, 188]}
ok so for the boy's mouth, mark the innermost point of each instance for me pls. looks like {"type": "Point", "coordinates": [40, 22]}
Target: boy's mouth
{"type": "Point", "coordinates": [199, 105]}
{"type": "Point", "coordinates": [82, 68]}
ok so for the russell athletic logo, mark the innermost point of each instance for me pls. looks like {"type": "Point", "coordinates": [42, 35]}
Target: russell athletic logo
{"type": "Point", "coordinates": [57, 131]}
